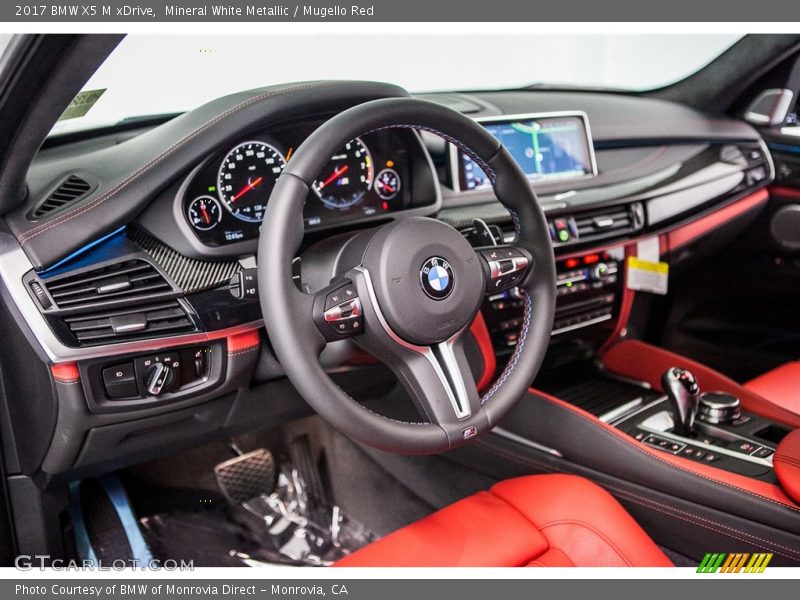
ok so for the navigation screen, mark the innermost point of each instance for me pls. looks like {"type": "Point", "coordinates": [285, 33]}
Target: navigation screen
{"type": "Point", "coordinates": [546, 148]}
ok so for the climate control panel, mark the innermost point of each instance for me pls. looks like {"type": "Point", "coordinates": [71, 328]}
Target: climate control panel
{"type": "Point", "coordinates": [587, 294]}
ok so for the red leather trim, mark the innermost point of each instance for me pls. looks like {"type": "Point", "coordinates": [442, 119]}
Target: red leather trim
{"type": "Point", "coordinates": [243, 341]}
{"type": "Point", "coordinates": [645, 362]}
{"type": "Point", "coordinates": [480, 332]}
{"type": "Point", "coordinates": [762, 489]}
{"type": "Point", "coordinates": [626, 303]}
{"type": "Point", "coordinates": [780, 386]}
{"type": "Point", "coordinates": [787, 463]}
{"type": "Point", "coordinates": [786, 192]}
{"type": "Point", "coordinates": [690, 232]}
{"type": "Point", "coordinates": [552, 558]}
{"type": "Point", "coordinates": [541, 520]}
{"type": "Point", "coordinates": [582, 520]}
{"type": "Point", "coordinates": [65, 372]}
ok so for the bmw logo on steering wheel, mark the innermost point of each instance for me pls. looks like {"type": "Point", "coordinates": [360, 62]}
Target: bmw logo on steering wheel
{"type": "Point", "coordinates": [437, 278]}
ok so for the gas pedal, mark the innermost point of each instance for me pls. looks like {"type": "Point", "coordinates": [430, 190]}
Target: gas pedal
{"type": "Point", "coordinates": [246, 476]}
{"type": "Point", "coordinates": [309, 476]}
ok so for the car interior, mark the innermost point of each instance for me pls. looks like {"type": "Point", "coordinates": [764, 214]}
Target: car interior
{"type": "Point", "coordinates": [336, 323]}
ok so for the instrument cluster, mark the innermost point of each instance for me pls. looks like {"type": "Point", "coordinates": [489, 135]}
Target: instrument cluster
{"type": "Point", "coordinates": [225, 198]}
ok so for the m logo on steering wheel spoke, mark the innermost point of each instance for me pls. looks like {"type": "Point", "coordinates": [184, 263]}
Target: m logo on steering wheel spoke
{"type": "Point", "coordinates": [437, 278]}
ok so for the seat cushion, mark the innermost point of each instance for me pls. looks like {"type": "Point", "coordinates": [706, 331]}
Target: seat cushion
{"type": "Point", "coordinates": [780, 386]}
{"type": "Point", "coordinates": [540, 520]}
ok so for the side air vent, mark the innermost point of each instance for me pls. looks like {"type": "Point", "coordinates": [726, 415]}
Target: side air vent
{"type": "Point", "coordinates": [112, 285]}
{"type": "Point", "coordinates": [120, 325]}
{"type": "Point", "coordinates": [72, 189]}
{"type": "Point", "coordinates": [113, 303]}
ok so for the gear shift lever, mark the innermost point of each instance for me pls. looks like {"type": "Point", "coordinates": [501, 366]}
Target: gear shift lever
{"type": "Point", "coordinates": [683, 394]}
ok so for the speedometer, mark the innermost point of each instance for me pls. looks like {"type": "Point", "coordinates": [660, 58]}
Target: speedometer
{"type": "Point", "coordinates": [246, 178]}
{"type": "Point", "coordinates": [347, 177]}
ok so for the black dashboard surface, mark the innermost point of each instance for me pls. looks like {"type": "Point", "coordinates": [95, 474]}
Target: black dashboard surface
{"type": "Point", "coordinates": [638, 141]}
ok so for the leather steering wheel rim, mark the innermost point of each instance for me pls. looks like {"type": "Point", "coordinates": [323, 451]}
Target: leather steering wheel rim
{"type": "Point", "coordinates": [287, 311]}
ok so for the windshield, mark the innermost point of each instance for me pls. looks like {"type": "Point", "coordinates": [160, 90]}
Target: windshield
{"type": "Point", "coordinates": [161, 74]}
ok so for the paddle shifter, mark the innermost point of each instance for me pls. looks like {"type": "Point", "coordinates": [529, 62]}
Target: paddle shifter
{"type": "Point", "coordinates": [683, 393]}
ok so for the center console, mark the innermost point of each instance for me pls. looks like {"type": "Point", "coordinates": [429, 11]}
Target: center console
{"type": "Point", "coordinates": [709, 427]}
{"type": "Point", "coordinates": [706, 426]}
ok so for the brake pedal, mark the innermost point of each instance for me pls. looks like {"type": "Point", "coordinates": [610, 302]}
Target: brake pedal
{"type": "Point", "coordinates": [246, 476]}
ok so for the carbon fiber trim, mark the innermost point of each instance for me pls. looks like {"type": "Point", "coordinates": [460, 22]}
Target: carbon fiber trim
{"type": "Point", "coordinates": [188, 274]}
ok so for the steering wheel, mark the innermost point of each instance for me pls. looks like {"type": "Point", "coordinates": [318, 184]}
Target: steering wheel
{"type": "Point", "coordinates": [406, 291]}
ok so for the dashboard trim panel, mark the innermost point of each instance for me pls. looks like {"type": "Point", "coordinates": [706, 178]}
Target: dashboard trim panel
{"type": "Point", "coordinates": [14, 264]}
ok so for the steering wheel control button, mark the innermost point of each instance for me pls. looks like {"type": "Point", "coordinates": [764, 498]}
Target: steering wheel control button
{"type": "Point", "coordinates": [437, 278]}
{"type": "Point", "coordinates": [342, 313]}
{"type": "Point", "coordinates": [339, 296]}
{"type": "Point", "coordinates": [244, 285]}
{"type": "Point", "coordinates": [507, 267]}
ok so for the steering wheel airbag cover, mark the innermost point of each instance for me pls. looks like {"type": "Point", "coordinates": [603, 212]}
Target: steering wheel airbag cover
{"type": "Point", "coordinates": [395, 258]}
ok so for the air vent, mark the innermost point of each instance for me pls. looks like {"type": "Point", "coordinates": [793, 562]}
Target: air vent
{"type": "Point", "coordinates": [112, 285]}
{"type": "Point", "coordinates": [72, 189]}
{"type": "Point", "coordinates": [607, 223]}
{"type": "Point", "coordinates": [137, 322]}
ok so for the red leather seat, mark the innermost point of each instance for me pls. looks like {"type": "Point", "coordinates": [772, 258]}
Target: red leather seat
{"type": "Point", "coordinates": [535, 521]}
{"type": "Point", "coordinates": [780, 386]}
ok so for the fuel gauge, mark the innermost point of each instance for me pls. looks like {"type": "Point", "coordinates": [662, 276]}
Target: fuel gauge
{"type": "Point", "coordinates": [204, 213]}
{"type": "Point", "coordinates": [387, 184]}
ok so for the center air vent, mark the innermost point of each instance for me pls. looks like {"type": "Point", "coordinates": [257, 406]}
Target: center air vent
{"type": "Point", "coordinates": [72, 189]}
{"type": "Point", "coordinates": [111, 285]}
{"type": "Point", "coordinates": [604, 223]}
{"type": "Point", "coordinates": [599, 224]}
{"type": "Point", "coordinates": [120, 325]}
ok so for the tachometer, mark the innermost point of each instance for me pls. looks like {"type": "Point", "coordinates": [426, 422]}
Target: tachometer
{"type": "Point", "coordinates": [246, 178]}
{"type": "Point", "coordinates": [347, 177]}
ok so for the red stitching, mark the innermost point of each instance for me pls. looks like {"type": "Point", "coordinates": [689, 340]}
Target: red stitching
{"type": "Point", "coordinates": [690, 515]}
{"type": "Point", "coordinates": [706, 526]}
{"type": "Point", "coordinates": [63, 218]}
{"type": "Point", "coordinates": [243, 351]}
{"type": "Point", "coordinates": [593, 530]}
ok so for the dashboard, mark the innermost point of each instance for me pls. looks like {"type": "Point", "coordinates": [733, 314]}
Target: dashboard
{"type": "Point", "coordinates": [372, 177]}
{"type": "Point", "coordinates": [138, 267]}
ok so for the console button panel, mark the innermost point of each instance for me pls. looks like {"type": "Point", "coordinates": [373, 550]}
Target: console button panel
{"type": "Point", "coordinates": [588, 289]}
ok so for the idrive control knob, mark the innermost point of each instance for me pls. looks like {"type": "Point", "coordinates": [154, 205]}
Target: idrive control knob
{"type": "Point", "coordinates": [719, 408]}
